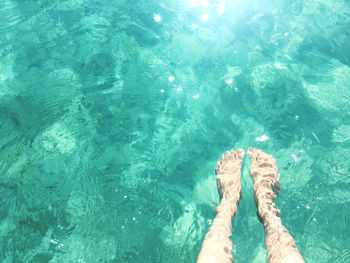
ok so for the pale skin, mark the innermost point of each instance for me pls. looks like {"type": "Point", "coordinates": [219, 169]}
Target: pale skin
{"type": "Point", "coordinates": [217, 245]}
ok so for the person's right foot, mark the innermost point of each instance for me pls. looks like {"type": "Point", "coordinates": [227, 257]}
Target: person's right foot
{"type": "Point", "coordinates": [217, 245]}
{"type": "Point", "coordinates": [263, 171]}
{"type": "Point", "coordinates": [228, 174]}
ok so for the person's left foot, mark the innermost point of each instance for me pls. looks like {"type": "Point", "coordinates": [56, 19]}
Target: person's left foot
{"type": "Point", "coordinates": [228, 174]}
{"type": "Point", "coordinates": [217, 245]}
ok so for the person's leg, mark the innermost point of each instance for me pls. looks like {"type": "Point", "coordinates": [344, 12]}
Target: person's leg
{"type": "Point", "coordinates": [217, 244]}
{"type": "Point", "coordinates": [279, 243]}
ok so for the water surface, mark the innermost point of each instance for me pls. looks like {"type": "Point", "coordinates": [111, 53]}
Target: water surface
{"type": "Point", "coordinates": [114, 113]}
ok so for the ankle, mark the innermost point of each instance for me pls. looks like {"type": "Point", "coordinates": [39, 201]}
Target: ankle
{"type": "Point", "coordinates": [268, 212]}
{"type": "Point", "coordinates": [227, 207]}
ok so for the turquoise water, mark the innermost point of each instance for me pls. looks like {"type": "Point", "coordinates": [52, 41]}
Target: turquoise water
{"type": "Point", "coordinates": [114, 114]}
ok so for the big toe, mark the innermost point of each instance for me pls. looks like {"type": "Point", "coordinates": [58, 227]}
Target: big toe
{"type": "Point", "coordinates": [230, 161]}
{"type": "Point", "coordinates": [239, 153]}
{"type": "Point", "coordinates": [254, 153]}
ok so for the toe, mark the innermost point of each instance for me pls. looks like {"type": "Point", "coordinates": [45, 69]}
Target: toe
{"type": "Point", "coordinates": [240, 153]}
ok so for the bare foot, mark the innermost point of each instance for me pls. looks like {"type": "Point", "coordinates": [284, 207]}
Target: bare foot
{"type": "Point", "coordinates": [217, 245]}
{"type": "Point", "coordinates": [228, 173]}
{"type": "Point", "coordinates": [263, 171]}
{"type": "Point", "coordinates": [279, 243]}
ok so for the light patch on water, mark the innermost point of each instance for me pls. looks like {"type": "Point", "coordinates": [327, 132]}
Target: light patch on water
{"type": "Point", "coordinates": [331, 92]}
{"type": "Point", "coordinates": [262, 138]}
{"type": "Point", "coordinates": [221, 7]}
{"type": "Point", "coordinates": [187, 229]}
{"type": "Point", "coordinates": [232, 72]}
{"type": "Point", "coordinates": [64, 77]}
{"type": "Point", "coordinates": [316, 137]}
{"type": "Point", "coordinates": [80, 249]}
{"type": "Point", "coordinates": [58, 138]}
{"type": "Point", "coordinates": [341, 196]}
{"type": "Point", "coordinates": [96, 27]}
{"type": "Point", "coordinates": [296, 158]}
{"type": "Point", "coordinates": [6, 70]}
{"type": "Point", "coordinates": [157, 18]}
{"type": "Point", "coordinates": [205, 17]}
{"type": "Point", "coordinates": [197, 3]}
{"type": "Point", "coordinates": [68, 5]}
{"type": "Point", "coordinates": [194, 3]}
{"type": "Point", "coordinates": [205, 191]}
{"type": "Point", "coordinates": [341, 134]}
{"type": "Point", "coordinates": [300, 171]}
{"type": "Point", "coordinates": [261, 255]}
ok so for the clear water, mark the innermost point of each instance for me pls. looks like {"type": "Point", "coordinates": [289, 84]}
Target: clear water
{"type": "Point", "coordinates": [114, 113]}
